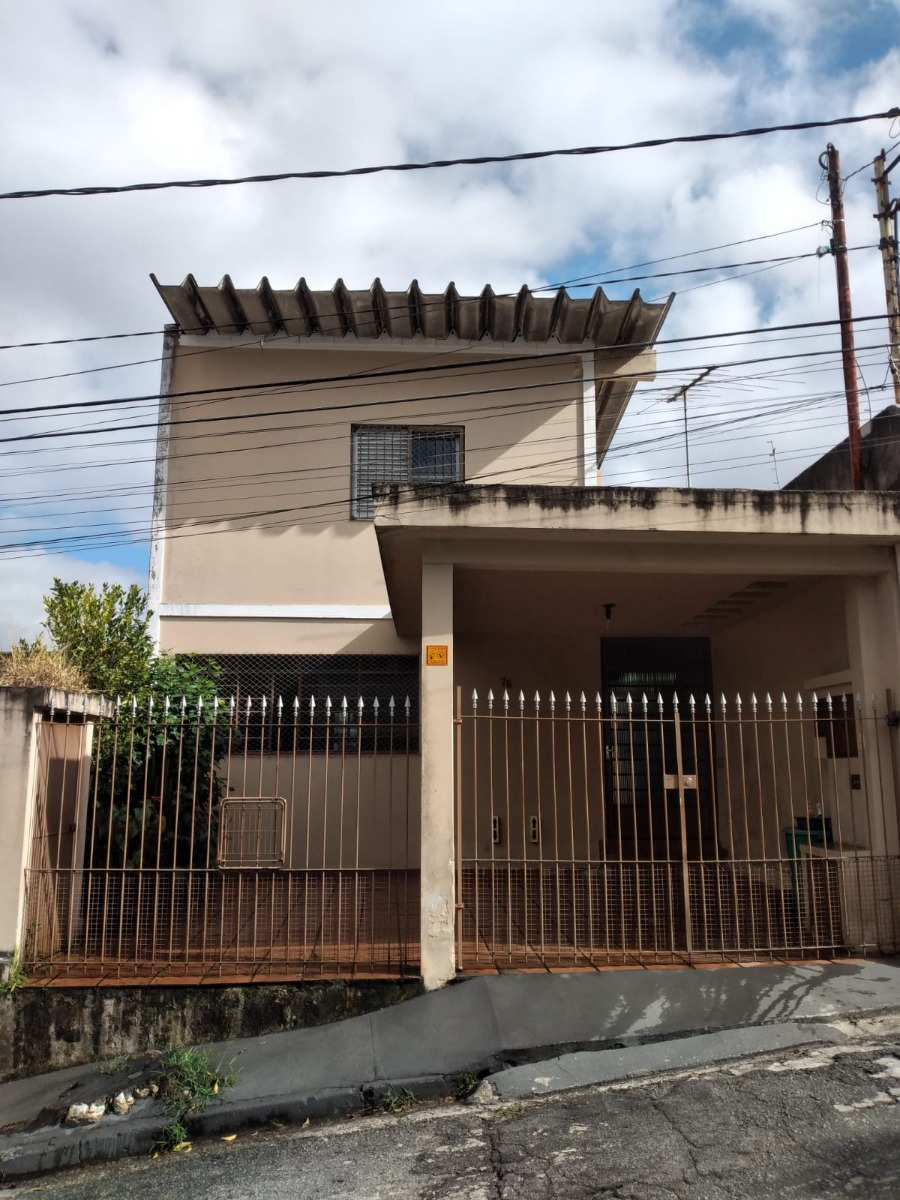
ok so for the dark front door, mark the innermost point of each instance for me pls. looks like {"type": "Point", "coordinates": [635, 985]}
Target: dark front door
{"type": "Point", "coordinates": [642, 747]}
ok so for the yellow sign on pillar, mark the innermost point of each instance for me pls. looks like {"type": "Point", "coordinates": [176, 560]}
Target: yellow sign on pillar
{"type": "Point", "coordinates": [436, 656]}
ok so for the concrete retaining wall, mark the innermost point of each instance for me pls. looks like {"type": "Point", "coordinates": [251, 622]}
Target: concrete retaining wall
{"type": "Point", "coordinates": [44, 1029]}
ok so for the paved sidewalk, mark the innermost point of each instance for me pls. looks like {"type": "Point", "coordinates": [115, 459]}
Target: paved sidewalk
{"type": "Point", "coordinates": [581, 1028]}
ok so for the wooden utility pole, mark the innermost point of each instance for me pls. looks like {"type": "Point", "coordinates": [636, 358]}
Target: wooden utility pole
{"type": "Point", "coordinates": [887, 242]}
{"type": "Point", "coordinates": [830, 162]}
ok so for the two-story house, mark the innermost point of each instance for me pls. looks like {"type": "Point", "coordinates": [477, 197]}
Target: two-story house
{"type": "Point", "coordinates": [478, 711]}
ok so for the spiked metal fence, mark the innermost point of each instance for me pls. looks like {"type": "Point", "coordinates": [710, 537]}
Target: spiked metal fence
{"type": "Point", "coordinates": [646, 830]}
{"type": "Point", "coordinates": [211, 840]}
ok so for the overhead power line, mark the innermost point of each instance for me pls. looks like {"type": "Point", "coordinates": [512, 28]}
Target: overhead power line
{"type": "Point", "coordinates": [352, 405]}
{"type": "Point", "coordinates": [479, 364]}
{"type": "Point", "coordinates": [762, 237]}
{"type": "Point", "coordinates": [436, 164]}
{"type": "Point", "coordinates": [609, 279]}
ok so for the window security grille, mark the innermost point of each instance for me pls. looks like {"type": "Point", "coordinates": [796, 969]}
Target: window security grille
{"type": "Point", "coordinates": [319, 677]}
{"type": "Point", "coordinates": [401, 454]}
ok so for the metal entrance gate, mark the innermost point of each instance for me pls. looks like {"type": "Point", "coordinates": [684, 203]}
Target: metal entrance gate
{"type": "Point", "coordinates": [648, 830]}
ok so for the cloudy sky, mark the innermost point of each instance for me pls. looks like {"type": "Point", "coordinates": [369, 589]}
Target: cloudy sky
{"type": "Point", "coordinates": [98, 92]}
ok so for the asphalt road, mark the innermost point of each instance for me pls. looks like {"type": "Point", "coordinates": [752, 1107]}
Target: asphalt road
{"type": "Point", "coordinates": [815, 1124]}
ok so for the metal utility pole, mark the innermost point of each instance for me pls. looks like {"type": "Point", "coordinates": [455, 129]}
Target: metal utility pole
{"type": "Point", "coordinates": [889, 259]}
{"type": "Point", "coordinates": [830, 162]}
{"type": "Point", "coordinates": [682, 392]}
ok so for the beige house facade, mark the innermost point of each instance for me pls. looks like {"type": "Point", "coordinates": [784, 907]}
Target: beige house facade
{"type": "Point", "coordinates": [358, 479]}
{"type": "Point", "coordinates": [477, 711]}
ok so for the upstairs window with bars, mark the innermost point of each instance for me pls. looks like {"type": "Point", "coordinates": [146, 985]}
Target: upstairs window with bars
{"type": "Point", "coordinates": [401, 454]}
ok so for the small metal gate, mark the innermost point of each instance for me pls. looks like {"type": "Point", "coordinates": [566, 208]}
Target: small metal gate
{"type": "Point", "coordinates": [649, 830]}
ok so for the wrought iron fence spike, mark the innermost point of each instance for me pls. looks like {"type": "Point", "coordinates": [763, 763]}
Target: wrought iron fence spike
{"type": "Point", "coordinates": [344, 704]}
{"type": "Point", "coordinates": [723, 703]}
{"type": "Point", "coordinates": [264, 704]}
{"type": "Point", "coordinates": [660, 703]}
{"type": "Point", "coordinates": [183, 705]}
{"type": "Point", "coordinates": [784, 702]}
{"type": "Point", "coordinates": [537, 700]}
{"type": "Point", "coordinates": [753, 701]}
{"type": "Point", "coordinates": [199, 705]}
{"type": "Point", "coordinates": [167, 705]}
{"type": "Point", "coordinates": [133, 707]}
{"type": "Point", "coordinates": [249, 704]}
{"type": "Point", "coordinates": [407, 705]}
{"type": "Point", "coordinates": [280, 704]}
{"type": "Point", "coordinates": [583, 699]}
{"type": "Point", "coordinates": [738, 702]}
{"type": "Point", "coordinates": [858, 703]}
{"type": "Point", "coordinates": [815, 700]}
{"type": "Point", "coordinates": [376, 705]}
{"type": "Point", "coordinates": [521, 699]}
{"type": "Point", "coordinates": [552, 701]}
{"type": "Point", "coordinates": [490, 698]}
{"type": "Point", "coordinates": [231, 705]}
{"type": "Point", "coordinates": [312, 704]}
{"type": "Point", "coordinates": [505, 700]}
{"type": "Point", "coordinates": [598, 700]}
{"type": "Point", "coordinates": [707, 702]}
{"type": "Point", "coordinates": [692, 703]}
{"type": "Point", "coordinates": [361, 704]}
{"type": "Point", "coordinates": [474, 697]}
{"type": "Point", "coordinates": [391, 704]}
{"type": "Point", "coordinates": [844, 703]}
{"type": "Point", "coordinates": [328, 703]}
{"type": "Point", "coordinates": [568, 701]}
{"type": "Point", "coordinates": [799, 703]}
{"type": "Point", "coordinates": [613, 703]}
{"type": "Point", "coordinates": [828, 701]}
{"type": "Point", "coordinates": [628, 702]}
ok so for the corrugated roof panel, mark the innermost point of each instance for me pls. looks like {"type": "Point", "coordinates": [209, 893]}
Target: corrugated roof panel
{"type": "Point", "coordinates": [375, 312]}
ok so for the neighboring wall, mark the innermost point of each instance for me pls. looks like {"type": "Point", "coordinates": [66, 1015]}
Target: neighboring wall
{"type": "Point", "coordinates": [880, 457]}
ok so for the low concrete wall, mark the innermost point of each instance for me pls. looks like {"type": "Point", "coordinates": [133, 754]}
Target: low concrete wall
{"type": "Point", "coordinates": [45, 1029]}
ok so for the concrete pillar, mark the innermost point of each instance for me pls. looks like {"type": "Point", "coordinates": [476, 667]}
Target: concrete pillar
{"type": "Point", "coordinates": [20, 727]}
{"type": "Point", "coordinates": [438, 901]}
{"type": "Point", "coordinates": [873, 635]}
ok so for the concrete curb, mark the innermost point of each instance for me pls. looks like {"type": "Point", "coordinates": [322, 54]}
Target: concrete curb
{"type": "Point", "coordinates": [588, 1068]}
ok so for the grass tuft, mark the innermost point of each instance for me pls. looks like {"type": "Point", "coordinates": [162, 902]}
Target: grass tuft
{"type": "Point", "coordinates": [188, 1083]}
{"type": "Point", "coordinates": [35, 664]}
{"type": "Point", "coordinates": [397, 1100]}
{"type": "Point", "coordinates": [16, 975]}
